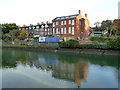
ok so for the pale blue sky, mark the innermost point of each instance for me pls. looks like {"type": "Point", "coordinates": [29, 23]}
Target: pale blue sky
{"type": "Point", "coordinates": [34, 11]}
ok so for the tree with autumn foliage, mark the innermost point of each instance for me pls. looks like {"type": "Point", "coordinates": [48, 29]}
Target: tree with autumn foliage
{"type": "Point", "coordinates": [23, 34]}
{"type": "Point", "coordinates": [116, 26]}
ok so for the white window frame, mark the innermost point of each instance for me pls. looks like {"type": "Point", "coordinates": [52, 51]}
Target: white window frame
{"type": "Point", "coordinates": [45, 33]}
{"type": "Point", "coordinates": [69, 30]}
{"type": "Point", "coordinates": [45, 29]}
{"type": "Point", "coordinates": [29, 27]}
{"type": "Point", "coordinates": [56, 30]}
{"type": "Point", "coordinates": [69, 21]}
{"type": "Point", "coordinates": [73, 30]}
{"type": "Point", "coordinates": [64, 30]}
{"type": "Point", "coordinates": [65, 22]}
{"type": "Point", "coordinates": [33, 27]}
{"type": "Point", "coordinates": [37, 27]}
{"type": "Point", "coordinates": [53, 24]}
{"type": "Point", "coordinates": [73, 22]}
{"type": "Point", "coordinates": [61, 30]}
{"type": "Point", "coordinates": [46, 25]}
{"type": "Point", "coordinates": [19, 28]}
{"type": "Point", "coordinates": [42, 26]}
{"type": "Point", "coordinates": [57, 23]}
{"type": "Point", "coordinates": [53, 30]}
{"type": "Point", "coordinates": [61, 22]}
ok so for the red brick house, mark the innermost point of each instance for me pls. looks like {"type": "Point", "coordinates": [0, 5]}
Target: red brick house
{"type": "Point", "coordinates": [71, 27]}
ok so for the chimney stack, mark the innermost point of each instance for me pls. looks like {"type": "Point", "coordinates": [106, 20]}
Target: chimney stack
{"type": "Point", "coordinates": [48, 22]}
{"type": "Point", "coordinates": [38, 23]}
{"type": "Point", "coordinates": [79, 11]}
{"type": "Point", "coordinates": [86, 15]}
{"type": "Point", "coordinates": [31, 24]}
{"type": "Point", "coordinates": [43, 23]}
{"type": "Point", "coordinates": [24, 25]}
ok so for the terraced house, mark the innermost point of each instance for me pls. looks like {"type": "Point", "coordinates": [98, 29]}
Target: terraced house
{"type": "Point", "coordinates": [38, 30]}
{"type": "Point", "coordinates": [65, 27]}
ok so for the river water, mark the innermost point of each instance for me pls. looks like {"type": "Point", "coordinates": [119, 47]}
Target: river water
{"type": "Point", "coordinates": [31, 69]}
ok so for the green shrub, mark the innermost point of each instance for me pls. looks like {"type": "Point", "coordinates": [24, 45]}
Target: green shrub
{"type": "Point", "coordinates": [100, 39]}
{"type": "Point", "coordinates": [71, 44]}
{"type": "Point", "coordinates": [35, 38]}
{"type": "Point", "coordinates": [62, 44]}
{"type": "Point", "coordinates": [114, 43]}
{"type": "Point", "coordinates": [94, 38]}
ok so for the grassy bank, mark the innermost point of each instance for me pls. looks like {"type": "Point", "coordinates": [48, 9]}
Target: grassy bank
{"type": "Point", "coordinates": [63, 50]}
{"type": "Point", "coordinates": [27, 46]}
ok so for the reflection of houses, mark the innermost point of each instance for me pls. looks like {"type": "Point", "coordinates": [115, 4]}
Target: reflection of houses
{"type": "Point", "coordinates": [74, 72]}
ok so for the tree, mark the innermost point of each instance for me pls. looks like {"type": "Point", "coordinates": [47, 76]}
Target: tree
{"type": "Point", "coordinates": [97, 24]}
{"type": "Point", "coordinates": [23, 34]}
{"type": "Point", "coordinates": [6, 37]}
{"type": "Point", "coordinates": [106, 25]}
{"type": "Point", "coordinates": [97, 28]}
{"type": "Point", "coordinates": [7, 27]}
{"type": "Point", "coordinates": [14, 34]}
{"type": "Point", "coordinates": [116, 26]}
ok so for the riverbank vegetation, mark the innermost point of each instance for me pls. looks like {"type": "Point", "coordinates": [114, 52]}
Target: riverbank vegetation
{"type": "Point", "coordinates": [97, 43]}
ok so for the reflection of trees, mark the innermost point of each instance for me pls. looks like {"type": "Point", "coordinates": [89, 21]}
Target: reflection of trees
{"type": "Point", "coordinates": [68, 67]}
{"type": "Point", "coordinates": [12, 57]}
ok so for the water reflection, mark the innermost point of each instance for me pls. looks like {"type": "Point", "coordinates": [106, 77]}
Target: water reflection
{"type": "Point", "coordinates": [72, 68]}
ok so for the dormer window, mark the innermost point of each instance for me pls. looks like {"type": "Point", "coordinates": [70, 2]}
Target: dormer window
{"type": "Point", "coordinates": [46, 25]}
{"type": "Point", "coordinates": [33, 27]}
{"type": "Point", "coordinates": [37, 27]}
{"type": "Point", "coordinates": [29, 27]}
{"type": "Point", "coordinates": [42, 26]}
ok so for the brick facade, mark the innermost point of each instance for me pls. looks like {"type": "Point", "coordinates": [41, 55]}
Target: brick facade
{"type": "Point", "coordinates": [65, 27]}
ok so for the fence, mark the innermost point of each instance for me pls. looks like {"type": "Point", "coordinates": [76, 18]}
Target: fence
{"type": "Point", "coordinates": [54, 44]}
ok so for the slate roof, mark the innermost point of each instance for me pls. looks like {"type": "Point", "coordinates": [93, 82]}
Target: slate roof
{"type": "Point", "coordinates": [66, 17]}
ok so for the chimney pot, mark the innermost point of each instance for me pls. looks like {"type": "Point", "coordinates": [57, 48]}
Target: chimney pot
{"type": "Point", "coordinates": [38, 23]}
{"type": "Point", "coordinates": [85, 15]}
{"type": "Point", "coordinates": [43, 23]}
{"type": "Point", "coordinates": [79, 11]}
{"type": "Point", "coordinates": [48, 22]}
{"type": "Point", "coordinates": [31, 24]}
{"type": "Point", "coordinates": [24, 25]}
